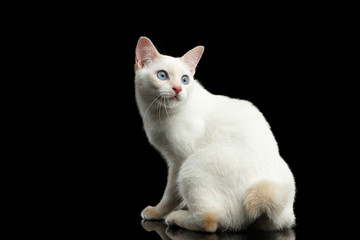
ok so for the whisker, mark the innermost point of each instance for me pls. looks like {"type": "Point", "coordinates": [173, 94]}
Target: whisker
{"type": "Point", "coordinates": [150, 106]}
{"type": "Point", "coordinates": [159, 110]}
{"type": "Point", "coordinates": [165, 101]}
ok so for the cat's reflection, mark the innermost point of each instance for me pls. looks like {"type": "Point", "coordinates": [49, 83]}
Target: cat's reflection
{"type": "Point", "coordinates": [167, 233]}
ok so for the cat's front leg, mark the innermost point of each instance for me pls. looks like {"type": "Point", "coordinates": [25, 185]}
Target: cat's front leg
{"type": "Point", "coordinates": [169, 201]}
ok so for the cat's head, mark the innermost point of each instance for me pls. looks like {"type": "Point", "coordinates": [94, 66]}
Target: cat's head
{"type": "Point", "coordinates": [166, 79]}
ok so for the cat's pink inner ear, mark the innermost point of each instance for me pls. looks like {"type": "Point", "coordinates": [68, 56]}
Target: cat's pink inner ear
{"type": "Point", "coordinates": [192, 57]}
{"type": "Point", "coordinates": [145, 52]}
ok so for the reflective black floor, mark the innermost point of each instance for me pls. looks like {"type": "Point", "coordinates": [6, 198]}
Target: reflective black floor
{"type": "Point", "coordinates": [165, 233]}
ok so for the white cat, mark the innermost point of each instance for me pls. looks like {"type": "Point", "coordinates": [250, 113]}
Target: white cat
{"type": "Point", "coordinates": [223, 160]}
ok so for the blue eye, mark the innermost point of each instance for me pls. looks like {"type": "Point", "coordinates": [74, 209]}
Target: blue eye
{"type": "Point", "coordinates": [162, 75]}
{"type": "Point", "coordinates": [185, 80]}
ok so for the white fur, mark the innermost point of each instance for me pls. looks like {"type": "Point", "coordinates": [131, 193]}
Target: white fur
{"type": "Point", "coordinates": [219, 151]}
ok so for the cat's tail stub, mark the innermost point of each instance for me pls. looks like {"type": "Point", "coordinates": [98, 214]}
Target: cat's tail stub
{"type": "Point", "coordinates": [266, 197]}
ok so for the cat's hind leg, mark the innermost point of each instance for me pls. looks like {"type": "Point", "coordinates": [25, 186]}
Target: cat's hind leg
{"type": "Point", "coordinates": [203, 192]}
{"type": "Point", "coordinates": [194, 221]}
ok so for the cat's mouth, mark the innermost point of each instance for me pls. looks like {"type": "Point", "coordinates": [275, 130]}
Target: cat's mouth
{"type": "Point", "coordinates": [174, 98]}
{"type": "Point", "coordinates": [170, 101]}
{"type": "Point", "coordinates": [171, 98]}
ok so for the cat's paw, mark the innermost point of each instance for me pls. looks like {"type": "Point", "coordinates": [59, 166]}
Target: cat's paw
{"type": "Point", "coordinates": [150, 213]}
{"type": "Point", "coordinates": [170, 220]}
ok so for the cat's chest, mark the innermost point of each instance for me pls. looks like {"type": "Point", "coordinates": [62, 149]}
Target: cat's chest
{"type": "Point", "coordinates": [176, 138]}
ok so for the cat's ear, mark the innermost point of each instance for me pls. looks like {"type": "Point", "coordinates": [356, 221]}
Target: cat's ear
{"type": "Point", "coordinates": [192, 57]}
{"type": "Point", "coordinates": [145, 52]}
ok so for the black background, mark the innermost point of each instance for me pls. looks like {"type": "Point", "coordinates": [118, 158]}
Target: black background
{"type": "Point", "coordinates": [101, 171]}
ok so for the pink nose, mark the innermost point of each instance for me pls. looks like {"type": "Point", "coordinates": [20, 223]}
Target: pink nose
{"type": "Point", "coordinates": [177, 89]}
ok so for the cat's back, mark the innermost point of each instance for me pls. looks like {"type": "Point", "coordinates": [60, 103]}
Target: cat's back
{"type": "Point", "coordinates": [239, 114]}
{"type": "Point", "coordinates": [225, 117]}
{"type": "Point", "coordinates": [225, 107]}
{"type": "Point", "coordinates": [238, 124]}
